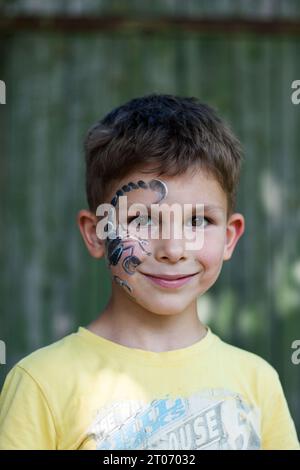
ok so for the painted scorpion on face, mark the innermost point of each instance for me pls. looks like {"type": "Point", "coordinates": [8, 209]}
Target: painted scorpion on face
{"type": "Point", "coordinates": [114, 244]}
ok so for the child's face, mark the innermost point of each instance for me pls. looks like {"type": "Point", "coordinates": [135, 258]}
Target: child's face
{"type": "Point", "coordinates": [133, 259]}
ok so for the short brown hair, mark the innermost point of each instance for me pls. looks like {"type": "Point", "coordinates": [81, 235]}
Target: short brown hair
{"type": "Point", "coordinates": [171, 133]}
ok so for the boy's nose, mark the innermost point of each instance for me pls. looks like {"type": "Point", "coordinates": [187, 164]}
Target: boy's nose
{"type": "Point", "coordinates": [171, 250]}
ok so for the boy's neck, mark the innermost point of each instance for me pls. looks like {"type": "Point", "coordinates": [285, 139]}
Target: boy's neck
{"type": "Point", "coordinates": [130, 325]}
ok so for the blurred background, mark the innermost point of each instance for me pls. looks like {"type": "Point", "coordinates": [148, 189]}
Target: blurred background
{"type": "Point", "coordinates": [65, 65]}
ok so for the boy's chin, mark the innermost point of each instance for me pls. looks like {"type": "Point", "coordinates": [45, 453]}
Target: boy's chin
{"type": "Point", "coordinates": [168, 308]}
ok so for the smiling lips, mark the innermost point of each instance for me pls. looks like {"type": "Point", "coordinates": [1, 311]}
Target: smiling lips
{"type": "Point", "coordinates": [170, 281]}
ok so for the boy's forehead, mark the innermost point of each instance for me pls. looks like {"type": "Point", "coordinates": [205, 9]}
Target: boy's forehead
{"type": "Point", "coordinates": [189, 188]}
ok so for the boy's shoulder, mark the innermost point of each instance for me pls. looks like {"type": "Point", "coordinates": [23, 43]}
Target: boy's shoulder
{"type": "Point", "coordinates": [245, 361]}
{"type": "Point", "coordinates": [71, 348]}
{"type": "Point", "coordinates": [76, 352]}
{"type": "Point", "coordinates": [60, 355]}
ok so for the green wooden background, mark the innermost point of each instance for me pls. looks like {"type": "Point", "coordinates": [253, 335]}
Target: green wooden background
{"type": "Point", "coordinates": [59, 82]}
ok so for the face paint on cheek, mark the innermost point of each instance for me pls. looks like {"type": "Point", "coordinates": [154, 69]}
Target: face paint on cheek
{"type": "Point", "coordinates": [115, 245]}
{"type": "Point", "coordinates": [130, 262]}
{"type": "Point", "coordinates": [122, 283]}
{"type": "Point", "coordinates": [115, 248]}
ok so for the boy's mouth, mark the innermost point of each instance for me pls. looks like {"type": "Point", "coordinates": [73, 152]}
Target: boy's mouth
{"type": "Point", "coordinates": [169, 280]}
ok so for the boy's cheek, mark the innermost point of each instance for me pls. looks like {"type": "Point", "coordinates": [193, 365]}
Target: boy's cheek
{"type": "Point", "coordinates": [127, 256]}
{"type": "Point", "coordinates": [211, 252]}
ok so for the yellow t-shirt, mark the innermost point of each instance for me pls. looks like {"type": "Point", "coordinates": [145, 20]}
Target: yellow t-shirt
{"type": "Point", "coordinates": [86, 392]}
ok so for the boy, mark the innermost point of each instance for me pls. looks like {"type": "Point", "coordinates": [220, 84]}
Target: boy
{"type": "Point", "coordinates": [147, 374]}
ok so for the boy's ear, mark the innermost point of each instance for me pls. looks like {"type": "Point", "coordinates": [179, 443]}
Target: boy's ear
{"type": "Point", "coordinates": [87, 222]}
{"type": "Point", "coordinates": [234, 230]}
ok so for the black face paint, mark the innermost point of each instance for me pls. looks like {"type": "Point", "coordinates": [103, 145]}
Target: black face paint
{"type": "Point", "coordinates": [115, 245]}
{"type": "Point", "coordinates": [122, 283]}
{"type": "Point", "coordinates": [115, 249]}
{"type": "Point", "coordinates": [159, 187]}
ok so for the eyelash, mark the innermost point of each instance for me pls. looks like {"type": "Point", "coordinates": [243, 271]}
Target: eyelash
{"type": "Point", "coordinates": [131, 219]}
{"type": "Point", "coordinates": [209, 221]}
{"type": "Point", "coordinates": [205, 218]}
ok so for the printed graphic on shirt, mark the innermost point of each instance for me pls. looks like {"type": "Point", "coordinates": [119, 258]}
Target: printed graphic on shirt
{"type": "Point", "coordinates": [211, 419]}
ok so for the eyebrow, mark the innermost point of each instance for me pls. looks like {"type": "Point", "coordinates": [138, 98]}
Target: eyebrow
{"type": "Point", "coordinates": [207, 207]}
{"type": "Point", "coordinates": [212, 207]}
